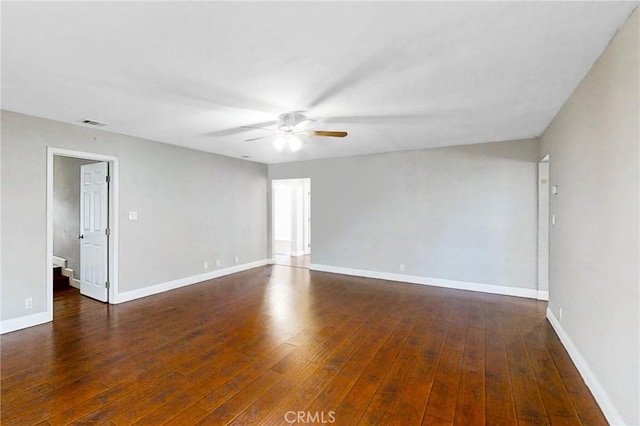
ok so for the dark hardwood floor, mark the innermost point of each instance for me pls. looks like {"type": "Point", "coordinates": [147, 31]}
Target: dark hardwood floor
{"type": "Point", "coordinates": [261, 346]}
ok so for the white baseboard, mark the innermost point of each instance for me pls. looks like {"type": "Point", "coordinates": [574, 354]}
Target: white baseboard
{"type": "Point", "coordinates": [59, 261]}
{"type": "Point", "coordinates": [436, 282]}
{"type": "Point", "coordinates": [182, 282]}
{"type": "Point", "coordinates": [13, 324]}
{"type": "Point", "coordinates": [543, 295]}
{"type": "Point", "coordinates": [592, 382]}
{"type": "Point", "coordinates": [74, 283]}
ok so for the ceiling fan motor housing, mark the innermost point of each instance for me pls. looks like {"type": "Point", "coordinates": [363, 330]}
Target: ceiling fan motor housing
{"type": "Point", "coordinates": [290, 120]}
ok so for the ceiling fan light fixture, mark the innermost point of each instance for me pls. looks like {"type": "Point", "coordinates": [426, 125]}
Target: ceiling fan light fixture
{"type": "Point", "coordinates": [278, 143]}
{"type": "Point", "coordinates": [295, 144]}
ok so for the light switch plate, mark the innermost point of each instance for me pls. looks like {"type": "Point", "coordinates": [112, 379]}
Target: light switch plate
{"type": "Point", "coordinates": [133, 215]}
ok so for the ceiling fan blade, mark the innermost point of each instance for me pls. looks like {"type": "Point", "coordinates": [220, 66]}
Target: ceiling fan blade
{"type": "Point", "coordinates": [235, 130]}
{"type": "Point", "coordinates": [255, 139]}
{"type": "Point", "coordinates": [364, 69]}
{"type": "Point", "coordinates": [400, 118]}
{"type": "Point", "coordinates": [256, 127]}
{"type": "Point", "coordinates": [329, 133]}
{"type": "Point", "coordinates": [212, 96]}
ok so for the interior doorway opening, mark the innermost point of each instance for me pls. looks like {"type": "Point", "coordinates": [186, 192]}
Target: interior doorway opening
{"type": "Point", "coordinates": [66, 221]}
{"type": "Point", "coordinates": [291, 201]}
{"type": "Point", "coordinates": [82, 231]}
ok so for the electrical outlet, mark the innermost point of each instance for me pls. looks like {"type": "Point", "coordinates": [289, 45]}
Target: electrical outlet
{"type": "Point", "coordinates": [560, 313]}
{"type": "Point", "coordinates": [402, 267]}
{"type": "Point", "coordinates": [206, 265]}
{"type": "Point", "coordinates": [218, 263]}
{"type": "Point", "coordinates": [28, 303]}
{"type": "Point", "coordinates": [237, 259]}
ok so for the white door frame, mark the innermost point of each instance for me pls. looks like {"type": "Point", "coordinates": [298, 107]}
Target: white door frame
{"type": "Point", "coordinates": [306, 216]}
{"type": "Point", "coordinates": [114, 169]}
{"type": "Point", "coordinates": [543, 228]}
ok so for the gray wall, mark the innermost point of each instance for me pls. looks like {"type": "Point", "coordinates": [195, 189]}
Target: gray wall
{"type": "Point", "coordinates": [594, 271]}
{"type": "Point", "coordinates": [66, 210]}
{"type": "Point", "coordinates": [192, 207]}
{"type": "Point", "coordinates": [463, 213]}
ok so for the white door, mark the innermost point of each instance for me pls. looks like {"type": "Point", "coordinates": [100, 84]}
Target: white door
{"type": "Point", "coordinates": [94, 221]}
{"type": "Point", "coordinates": [307, 216]}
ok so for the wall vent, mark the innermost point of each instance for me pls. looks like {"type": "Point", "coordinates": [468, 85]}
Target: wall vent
{"type": "Point", "coordinates": [90, 122]}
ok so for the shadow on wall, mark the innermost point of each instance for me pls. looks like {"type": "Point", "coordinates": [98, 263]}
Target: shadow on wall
{"type": "Point", "coordinates": [497, 150]}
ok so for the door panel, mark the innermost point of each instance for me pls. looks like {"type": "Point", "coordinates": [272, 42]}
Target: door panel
{"type": "Point", "coordinates": [94, 205]}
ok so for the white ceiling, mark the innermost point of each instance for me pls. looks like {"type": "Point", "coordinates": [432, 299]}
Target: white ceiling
{"type": "Point", "coordinates": [189, 73]}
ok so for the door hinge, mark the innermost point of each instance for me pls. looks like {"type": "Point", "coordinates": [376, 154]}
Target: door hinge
{"type": "Point", "coordinates": [107, 232]}
{"type": "Point", "coordinates": [108, 179]}
{"type": "Point", "coordinates": [107, 284]}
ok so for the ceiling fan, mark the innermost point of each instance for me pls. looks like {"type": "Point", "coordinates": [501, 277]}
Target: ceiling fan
{"type": "Point", "coordinates": [290, 128]}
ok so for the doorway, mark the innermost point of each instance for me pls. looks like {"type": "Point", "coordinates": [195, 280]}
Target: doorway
{"type": "Point", "coordinates": [82, 231]}
{"type": "Point", "coordinates": [66, 221]}
{"type": "Point", "coordinates": [543, 228]}
{"type": "Point", "coordinates": [291, 201]}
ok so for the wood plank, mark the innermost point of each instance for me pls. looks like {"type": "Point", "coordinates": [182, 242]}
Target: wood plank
{"type": "Point", "coordinates": [190, 416]}
{"type": "Point", "coordinates": [470, 405]}
{"type": "Point", "coordinates": [227, 411]}
{"type": "Point", "coordinates": [347, 375]}
{"type": "Point", "coordinates": [256, 412]}
{"type": "Point", "coordinates": [499, 402]}
{"type": "Point", "coordinates": [526, 394]}
{"type": "Point", "coordinates": [382, 405]}
{"type": "Point", "coordinates": [44, 406]}
{"type": "Point", "coordinates": [554, 395]}
{"type": "Point", "coordinates": [359, 396]}
{"type": "Point", "coordinates": [413, 400]}
{"type": "Point", "coordinates": [315, 386]}
{"type": "Point", "coordinates": [444, 392]}
{"type": "Point", "coordinates": [582, 400]}
{"type": "Point", "coordinates": [146, 398]}
{"type": "Point", "coordinates": [129, 384]}
{"type": "Point", "coordinates": [233, 383]}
